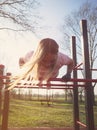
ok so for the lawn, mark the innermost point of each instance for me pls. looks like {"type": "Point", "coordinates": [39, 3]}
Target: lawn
{"type": "Point", "coordinates": [32, 114]}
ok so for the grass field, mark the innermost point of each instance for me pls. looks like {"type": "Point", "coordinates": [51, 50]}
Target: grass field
{"type": "Point", "coordinates": [33, 114]}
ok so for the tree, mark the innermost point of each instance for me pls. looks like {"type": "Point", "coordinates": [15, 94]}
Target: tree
{"type": "Point", "coordinates": [19, 14]}
{"type": "Point", "coordinates": [71, 27]}
{"type": "Point", "coordinates": [16, 17]}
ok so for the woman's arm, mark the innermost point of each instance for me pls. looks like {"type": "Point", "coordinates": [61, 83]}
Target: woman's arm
{"type": "Point", "coordinates": [70, 66]}
{"type": "Point", "coordinates": [21, 61]}
{"type": "Point", "coordinates": [66, 60]}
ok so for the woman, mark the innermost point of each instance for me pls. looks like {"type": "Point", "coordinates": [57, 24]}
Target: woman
{"type": "Point", "coordinates": [44, 63]}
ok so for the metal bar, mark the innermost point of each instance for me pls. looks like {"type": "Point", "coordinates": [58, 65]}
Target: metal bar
{"type": "Point", "coordinates": [87, 75]}
{"type": "Point", "coordinates": [82, 124]}
{"type": "Point", "coordinates": [75, 84]}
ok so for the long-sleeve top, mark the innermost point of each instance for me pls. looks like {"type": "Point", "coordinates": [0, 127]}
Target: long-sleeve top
{"type": "Point", "coordinates": [62, 60]}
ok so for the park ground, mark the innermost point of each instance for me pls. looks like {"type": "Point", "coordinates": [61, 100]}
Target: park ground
{"type": "Point", "coordinates": [45, 129]}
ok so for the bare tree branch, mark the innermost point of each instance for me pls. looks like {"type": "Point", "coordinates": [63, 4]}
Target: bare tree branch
{"type": "Point", "coordinates": [19, 12]}
{"type": "Point", "coordinates": [71, 27]}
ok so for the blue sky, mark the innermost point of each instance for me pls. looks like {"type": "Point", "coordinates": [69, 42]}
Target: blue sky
{"type": "Point", "coordinates": [57, 9]}
{"type": "Point", "coordinates": [53, 12]}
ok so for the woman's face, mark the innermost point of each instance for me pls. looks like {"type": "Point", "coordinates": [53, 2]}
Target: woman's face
{"type": "Point", "coordinates": [49, 60]}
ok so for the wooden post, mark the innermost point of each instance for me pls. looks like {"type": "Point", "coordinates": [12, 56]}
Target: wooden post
{"type": "Point", "coordinates": [87, 75]}
{"type": "Point", "coordinates": [75, 89]}
{"type": "Point", "coordinates": [1, 86]}
{"type": "Point", "coordinates": [5, 108]}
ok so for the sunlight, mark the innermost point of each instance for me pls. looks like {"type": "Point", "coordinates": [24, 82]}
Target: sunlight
{"type": "Point", "coordinates": [15, 45]}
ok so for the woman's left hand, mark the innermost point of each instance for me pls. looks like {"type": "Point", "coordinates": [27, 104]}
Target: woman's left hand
{"type": "Point", "coordinates": [66, 77]}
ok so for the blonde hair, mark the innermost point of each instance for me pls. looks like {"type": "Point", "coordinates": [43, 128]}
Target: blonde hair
{"type": "Point", "coordinates": [30, 70]}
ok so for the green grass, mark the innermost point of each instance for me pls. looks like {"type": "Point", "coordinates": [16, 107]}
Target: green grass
{"type": "Point", "coordinates": [33, 114]}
